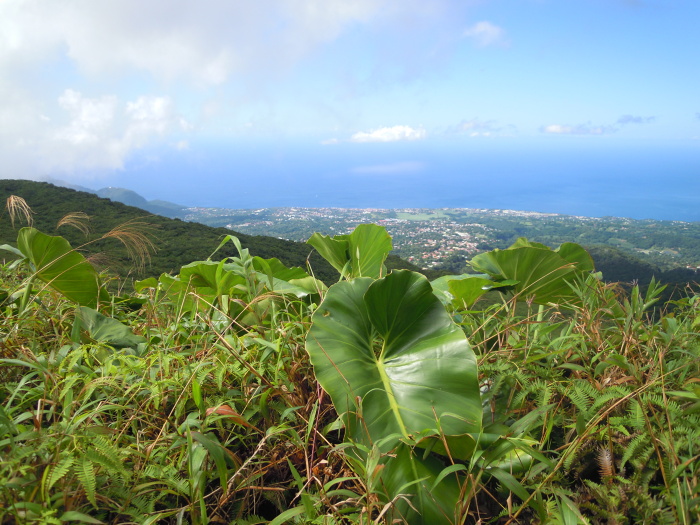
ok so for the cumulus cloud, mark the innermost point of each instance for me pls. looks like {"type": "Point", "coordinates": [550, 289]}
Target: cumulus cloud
{"type": "Point", "coordinates": [485, 34]}
{"type": "Point", "coordinates": [206, 42]}
{"type": "Point", "coordinates": [389, 169]}
{"type": "Point", "coordinates": [389, 134]}
{"type": "Point", "coordinates": [632, 119]}
{"type": "Point", "coordinates": [87, 133]}
{"type": "Point", "coordinates": [185, 48]}
{"type": "Point", "coordinates": [580, 129]}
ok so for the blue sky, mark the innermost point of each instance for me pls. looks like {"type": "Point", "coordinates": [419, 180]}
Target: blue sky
{"type": "Point", "coordinates": [169, 97]}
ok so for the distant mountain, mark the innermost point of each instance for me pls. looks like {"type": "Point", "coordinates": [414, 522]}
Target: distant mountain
{"type": "Point", "coordinates": [65, 184]}
{"type": "Point", "coordinates": [177, 242]}
{"type": "Point", "coordinates": [131, 198]}
{"type": "Point", "coordinates": [128, 197]}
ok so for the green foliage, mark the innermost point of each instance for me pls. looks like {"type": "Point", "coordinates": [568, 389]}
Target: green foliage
{"type": "Point", "coordinates": [541, 274]}
{"type": "Point", "coordinates": [359, 254]}
{"type": "Point", "coordinates": [53, 261]}
{"type": "Point", "coordinates": [394, 363]}
{"type": "Point", "coordinates": [178, 242]}
{"type": "Point", "coordinates": [194, 400]}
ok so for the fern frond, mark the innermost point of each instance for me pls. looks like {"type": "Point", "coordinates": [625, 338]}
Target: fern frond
{"type": "Point", "coordinates": [112, 467]}
{"type": "Point", "coordinates": [59, 470]}
{"type": "Point", "coordinates": [582, 396]}
{"type": "Point", "coordinates": [86, 475]}
{"type": "Point", "coordinates": [635, 415]}
{"type": "Point", "coordinates": [610, 395]}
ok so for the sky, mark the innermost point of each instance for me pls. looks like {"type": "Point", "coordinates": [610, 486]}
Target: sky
{"type": "Point", "coordinates": [464, 103]}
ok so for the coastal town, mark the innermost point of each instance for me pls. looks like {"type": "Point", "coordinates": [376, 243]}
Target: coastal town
{"type": "Point", "coordinates": [432, 238]}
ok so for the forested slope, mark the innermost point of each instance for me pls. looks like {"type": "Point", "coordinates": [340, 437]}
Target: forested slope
{"type": "Point", "coordinates": [176, 242]}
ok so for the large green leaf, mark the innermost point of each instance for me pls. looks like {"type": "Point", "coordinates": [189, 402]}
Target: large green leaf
{"type": "Point", "coordinates": [108, 330]}
{"type": "Point", "coordinates": [543, 275]}
{"type": "Point", "coordinates": [292, 281]}
{"type": "Point", "coordinates": [359, 254]}
{"type": "Point", "coordinates": [463, 290]}
{"type": "Point", "coordinates": [426, 499]}
{"type": "Point", "coordinates": [392, 359]}
{"type": "Point", "coordinates": [61, 267]}
{"type": "Point", "coordinates": [441, 285]}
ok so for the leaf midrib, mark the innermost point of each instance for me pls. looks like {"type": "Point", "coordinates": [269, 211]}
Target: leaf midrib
{"type": "Point", "coordinates": [389, 391]}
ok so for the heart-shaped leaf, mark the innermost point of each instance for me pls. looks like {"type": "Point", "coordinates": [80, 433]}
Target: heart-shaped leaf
{"type": "Point", "coordinates": [57, 264]}
{"type": "Point", "coordinates": [359, 254]}
{"type": "Point", "coordinates": [392, 359]}
{"type": "Point", "coordinates": [543, 275]}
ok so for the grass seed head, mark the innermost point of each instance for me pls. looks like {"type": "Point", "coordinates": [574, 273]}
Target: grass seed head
{"type": "Point", "coordinates": [136, 238]}
{"type": "Point", "coordinates": [78, 220]}
{"type": "Point", "coordinates": [18, 207]}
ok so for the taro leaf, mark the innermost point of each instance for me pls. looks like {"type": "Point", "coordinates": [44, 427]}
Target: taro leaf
{"type": "Point", "coordinates": [359, 254]}
{"type": "Point", "coordinates": [463, 290]}
{"type": "Point", "coordinates": [279, 278]}
{"type": "Point", "coordinates": [145, 284]}
{"type": "Point", "coordinates": [278, 270]}
{"type": "Point", "coordinates": [214, 276]}
{"type": "Point", "coordinates": [332, 249]}
{"type": "Point", "coordinates": [441, 285]}
{"type": "Point", "coordinates": [467, 291]}
{"type": "Point", "coordinates": [107, 330]}
{"type": "Point", "coordinates": [523, 242]}
{"type": "Point", "coordinates": [542, 274]}
{"type": "Point", "coordinates": [61, 267]}
{"type": "Point", "coordinates": [575, 253]}
{"type": "Point", "coordinates": [391, 345]}
{"type": "Point", "coordinates": [413, 477]}
{"type": "Point", "coordinates": [180, 293]}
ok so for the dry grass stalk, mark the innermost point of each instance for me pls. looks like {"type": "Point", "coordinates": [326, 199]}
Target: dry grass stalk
{"type": "Point", "coordinates": [78, 220]}
{"type": "Point", "coordinates": [99, 259]}
{"type": "Point", "coordinates": [135, 236]}
{"type": "Point", "coordinates": [18, 207]}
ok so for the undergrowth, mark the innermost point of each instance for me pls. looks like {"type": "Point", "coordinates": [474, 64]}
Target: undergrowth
{"type": "Point", "coordinates": [215, 416]}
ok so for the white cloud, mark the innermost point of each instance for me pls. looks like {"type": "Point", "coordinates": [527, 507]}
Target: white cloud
{"type": "Point", "coordinates": [389, 169]}
{"type": "Point", "coordinates": [329, 142]}
{"type": "Point", "coordinates": [580, 129]}
{"type": "Point", "coordinates": [85, 133]}
{"type": "Point", "coordinates": [90, 119]}
{"type": "Point", "coordinates": [205, 42]}
{"type": "Point", "coordinates": [166, 46]}
{"type": "Point", "coordinates": [486, 34]}
{"type": "Point", "coordinates": [389, 134]}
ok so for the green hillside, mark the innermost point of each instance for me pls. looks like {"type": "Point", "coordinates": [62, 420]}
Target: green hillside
{"type": "Point", "coordinates": [131, 198]}
{"type": "Point", "coordinates": [177, 242]}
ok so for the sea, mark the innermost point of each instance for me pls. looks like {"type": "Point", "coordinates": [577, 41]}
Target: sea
{"type": "Point", "coordinates": [651, 181]}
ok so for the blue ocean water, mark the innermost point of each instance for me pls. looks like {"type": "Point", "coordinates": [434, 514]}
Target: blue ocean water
{"type": "Point", "coordinates": [624, 180]}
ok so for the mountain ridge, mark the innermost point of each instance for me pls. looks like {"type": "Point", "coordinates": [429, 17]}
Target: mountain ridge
{"type": "Point", "coordinates": [178, 242]}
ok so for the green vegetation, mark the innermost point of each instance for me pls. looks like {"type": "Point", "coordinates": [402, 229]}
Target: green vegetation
{"type": "Point", "coordinates": [105, 224]}
{"type": "Point", "coordinates": [239, 390]}
{"type": "Point", "coordinates": [624, 249]}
